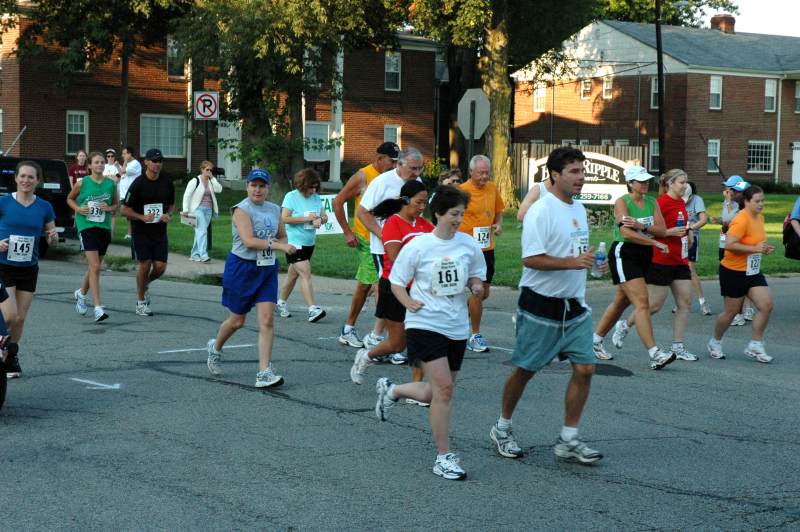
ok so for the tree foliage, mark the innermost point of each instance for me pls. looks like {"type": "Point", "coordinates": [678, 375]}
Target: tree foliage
{"type": "Point", "coordinates": [673, 12]}
{"type": "Point", "coordinates": [268, 54]}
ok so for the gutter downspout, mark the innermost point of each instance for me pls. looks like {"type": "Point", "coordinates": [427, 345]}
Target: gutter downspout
{"type": "Point", "coordinates": [778, 132]}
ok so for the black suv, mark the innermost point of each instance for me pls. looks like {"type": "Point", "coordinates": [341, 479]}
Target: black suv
{"type": "Point", "coordinates": [53, 186]}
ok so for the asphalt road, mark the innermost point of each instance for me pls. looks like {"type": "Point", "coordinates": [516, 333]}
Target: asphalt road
{"type": "Point", "coordinates": [704, 445]}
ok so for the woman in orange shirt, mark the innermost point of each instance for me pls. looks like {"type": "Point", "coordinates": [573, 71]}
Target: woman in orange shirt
{"type": "Point", "coordinates": [740, 275]}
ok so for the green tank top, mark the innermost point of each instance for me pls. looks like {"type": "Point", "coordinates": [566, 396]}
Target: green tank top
{"type": "Point", "coordinates": [642, 214]}
{"type": "Point", "coordinates": [92, 194]}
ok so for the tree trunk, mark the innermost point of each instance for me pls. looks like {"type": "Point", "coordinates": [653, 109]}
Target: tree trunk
{"type": "Point", "coordinates": [295, 108]}
{"type": "Point", "coordinates": [127, 51]}
{"type": "Point", "coordinates": [494, 71]}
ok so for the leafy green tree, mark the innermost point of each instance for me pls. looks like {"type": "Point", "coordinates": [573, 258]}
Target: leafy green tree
{"type": "Point", "coordinates": [269, 54]}
{"type": "Point", "coordinates": [91, 32]}
{"type": "Point", "coordinates": [673, 12]}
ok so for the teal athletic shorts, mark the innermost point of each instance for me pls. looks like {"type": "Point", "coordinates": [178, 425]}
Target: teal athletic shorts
{"type": "Point", "coordinates": [549, 327]}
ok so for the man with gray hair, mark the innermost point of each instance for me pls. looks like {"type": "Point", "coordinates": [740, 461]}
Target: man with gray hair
{"type": "Point", "coordinates": [386, 186]}
{"type": "Point", "coordinates": [483, 221]}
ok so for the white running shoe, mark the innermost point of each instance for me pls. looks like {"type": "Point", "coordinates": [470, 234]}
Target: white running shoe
{"type": "Point", "coordinates": [756, 350]}
{"type": "Point", "coordinates": [505, 442]}
{"type": "Point", "coordinates": [477, 343]}
{"type": "Point", "coordinates": [410, 401]}
{"type": "Point", "coordinates": [600, 352]}
{"type": "Point", "coordinates": [448, 467]}
{"type": "Point", "coordinates": [661, 359]}
{"type": "Point", "coordinates": [384, 403]}
{"type": "Point", "coordinates": [80, 303]}
{"type": "Point", "coordinates": [621, 330]}
{"type": "Point", "coordinates": [267, 378]}
{"type": "Point", "coordinates": [350, 338]}
{"type": "Point", "coordinates": [143, 309]}
{"type": "Point", "coordinates": [705, 309]}
{"type": "Point", "coordinates": [738, 321]}
{"type": "Point", "coordinates": [214, 358]}
{"type": "Point", "coordinates": [100, 314]}
{"type": "Point", "coordinates": [398, 359]}
{"type": "Point", "coordinates": [683, 354]}
{"type": "Point", "coordinates": [360, 365]}
{"type": "Point", "coordinates": [371, 340]}
{"type": "Point", "coordinates": [315, 314]}
{"type": "Point", "coordinates": [282, 309]}
{"type": "Point", "coordinates": [715, 349]}
{"type": "Point", "coordinates": [576, 450]}
{"type": "Point", "coordinates": [749, 313]}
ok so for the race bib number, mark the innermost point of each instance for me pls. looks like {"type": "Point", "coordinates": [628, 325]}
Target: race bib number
{"type": "Point", "coordinates": [265, 257]}
{"type": "Point", "coordinates": [156, 209]}
{"type": "Point", "coordinates": [753, 264]}
{"type": "Point", "coordinates": [446, 278]}
{"type": "Point", "coordinates": [579, 241]}
{"type": "Point", "coordinates": [96, 214]}
{"type": "Point", "coordinates": [309, 225]}
{"type": "Point", "coordinates": [20, 248]}
{"type": "Point", "coordinates": [684, 247]}
{"type": "Point", "coordinates": [722, 238]}
{"type": "Point", "coordinates": [482, 236]}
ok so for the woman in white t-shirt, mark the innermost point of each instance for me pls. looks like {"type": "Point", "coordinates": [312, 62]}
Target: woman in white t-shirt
{"type": "Point", "coordinates": [440, 264]}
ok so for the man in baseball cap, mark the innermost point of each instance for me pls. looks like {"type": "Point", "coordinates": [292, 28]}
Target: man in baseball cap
{"type": "Point", "coordinates": [389, 149]}
{"type": "Point", "coordinates": [148, 205]}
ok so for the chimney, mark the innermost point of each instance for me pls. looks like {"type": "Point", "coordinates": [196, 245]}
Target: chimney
{"type": "Point", "coordinates": [724, 23]}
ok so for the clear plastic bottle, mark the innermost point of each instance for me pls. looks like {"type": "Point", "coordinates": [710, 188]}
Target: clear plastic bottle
{"type": "Point", "coordinates": [599, 258]}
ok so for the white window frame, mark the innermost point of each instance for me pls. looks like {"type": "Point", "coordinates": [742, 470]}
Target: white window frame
{"type": "Point", "coordinates": [586, 91]}
{"type": "Point", "coordinates": [606, 142]}
{"type": "Point", "coordinates": [715, 89]}
{"type": "Point", "coordinates": [797, 97]}
{"type": "Point", "coordinates": [540, 98]}
{"type": "Point", "coordinates": [317, 155]}
{"type": "Point", "coordinates": [569, 142]}
{"type": "Point", "coordinates": [386, 70]}
{"type": "Point", "coordinates": [85, 132]}
{"type": "Point", "coordinates": [770, 92]}
{"type": "Point", "coordinates": [398, 133]}
{"type": "Point", "coordinates": [144, 146]}
{"type": "Point", "coordinates": [583, 142]}
{"type": "Point", "coordinates": [771, 145]}
{"type": "Point", "coordinates": [713, 153]}
{"type": "Point", "coordinates": [621, 142]}
{"type": "Point", "coordinates": [537, 141]}
{"type": "Point", "coordinates": [654, 91]}
{"type": "Point", "coordinates": [608, 88]}
{"type": "Point", "coordinates": [654, 152]}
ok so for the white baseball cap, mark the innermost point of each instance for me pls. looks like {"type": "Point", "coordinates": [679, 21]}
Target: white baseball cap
{"type": "Point", "coordinates": [637, 173]}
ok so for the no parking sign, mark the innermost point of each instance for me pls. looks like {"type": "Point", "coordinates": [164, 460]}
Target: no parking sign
{"type": "Point", "coordinates": [206, 105]}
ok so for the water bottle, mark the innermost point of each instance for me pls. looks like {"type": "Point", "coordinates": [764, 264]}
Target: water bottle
{"type": "Point", "coordinates": [599, 258]}
{"type": "Point", "coordinates": [681, 222]}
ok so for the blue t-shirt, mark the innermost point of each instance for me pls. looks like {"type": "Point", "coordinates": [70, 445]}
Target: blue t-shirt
{"type": "Point", "coordinates": [23, 227]}
{"type": "Point", "coordinates": [796, 210]}
{"type": "Point", "coordinates": [300, 234]}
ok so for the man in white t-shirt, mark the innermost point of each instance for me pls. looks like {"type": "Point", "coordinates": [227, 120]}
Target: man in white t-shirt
{"type": "Point", "coordinates": [385, 186]}
{"type": "Point", "coordinates": [552, 318]}
{"type": "Point", "coordinates": [131, 169]}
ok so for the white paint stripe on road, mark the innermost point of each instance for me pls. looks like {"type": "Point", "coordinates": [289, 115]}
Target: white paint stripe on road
{"type": "Point", "coordinates": [203, 349]}
{"type": "Point", "coordinates": [327, 337]}
{"type": "Point", "coordinates": [501, 348]}
{"type": "Point", "coordinates": [98, 385]}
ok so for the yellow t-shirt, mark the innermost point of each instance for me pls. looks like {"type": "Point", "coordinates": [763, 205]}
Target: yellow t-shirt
{"type": "Point", "coordinates": [370, 173]}
{"type": "Point", "coordinates": [750, 231]}
{"type": "Point", "coordinates": [484, 204]}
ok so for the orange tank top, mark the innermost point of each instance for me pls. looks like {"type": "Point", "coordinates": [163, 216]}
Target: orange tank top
{"type": "Point", "coordinates": [370, 173]}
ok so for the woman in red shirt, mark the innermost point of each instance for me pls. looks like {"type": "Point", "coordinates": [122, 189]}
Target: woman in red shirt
{"type": "Point", "coordinates": [403, 221]}
{"type": "Point", "coordinates": [79, 169]}
{"type": "Point", "coordinates": [670, 271]}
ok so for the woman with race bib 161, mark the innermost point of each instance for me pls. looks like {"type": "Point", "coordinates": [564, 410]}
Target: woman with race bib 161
{"type": "Point", "coordinates": [740, 275]}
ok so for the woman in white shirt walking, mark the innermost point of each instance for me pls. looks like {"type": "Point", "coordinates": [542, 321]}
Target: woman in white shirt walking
{"type": "Point", "coordinates": [200, 201]}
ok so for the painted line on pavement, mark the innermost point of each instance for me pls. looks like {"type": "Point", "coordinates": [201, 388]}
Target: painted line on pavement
{"type": "Point", "coordinates": [203, 349]}
{"type": "Point", "coordinates": [98, 385]}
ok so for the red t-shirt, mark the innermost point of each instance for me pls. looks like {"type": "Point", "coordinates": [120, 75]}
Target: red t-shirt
{"type": "Point", "coordinates": [397, 229]}
{"type": "Point", "coordinates": [669, 210]}
{"type": "Point", "coordinates": [77, 171]}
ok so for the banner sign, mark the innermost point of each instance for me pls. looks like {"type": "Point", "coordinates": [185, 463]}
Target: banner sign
{"type": "Point", "coordinates": [605, 179]}
{"type": "Point", "coordinates": [332, 227]}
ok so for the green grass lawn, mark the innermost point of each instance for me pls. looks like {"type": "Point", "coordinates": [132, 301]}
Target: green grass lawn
{"type": "Point", "coordinates": [333, 259]}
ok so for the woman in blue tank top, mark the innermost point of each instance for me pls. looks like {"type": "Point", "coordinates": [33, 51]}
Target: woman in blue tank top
{"type": "Point", "coordinates": [250, 278]}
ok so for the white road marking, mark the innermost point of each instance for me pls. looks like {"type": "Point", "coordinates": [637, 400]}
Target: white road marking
{"type": "Point", "coordinates": [98, 385]}
{"type": "Point", "coordinates": [501, 348]}
{"type": "Point", "coordinates": [327, 337]}
{"type": "Point", "coordinates": [203, 349]}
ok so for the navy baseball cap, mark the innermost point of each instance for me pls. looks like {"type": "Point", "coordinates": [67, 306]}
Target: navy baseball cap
{"type": "Point", "coordinates": [154, 154]}
{"type": "Point", "coordinates": [260, 174]}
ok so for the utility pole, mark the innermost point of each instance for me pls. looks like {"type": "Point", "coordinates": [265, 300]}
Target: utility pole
{"type": "Point", "coordinates": [662, 146]}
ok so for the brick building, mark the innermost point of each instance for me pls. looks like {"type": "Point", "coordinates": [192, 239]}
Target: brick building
{"type": "Point", "coordinates": [387, 96]}
{"type": "Point", "coordinates": [732, 101]}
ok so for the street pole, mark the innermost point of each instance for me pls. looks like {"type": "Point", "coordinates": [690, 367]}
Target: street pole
{"type": "Point", "coordinates": [470, 151]}
{"type": "Point", "coordinates": [662, 146]}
